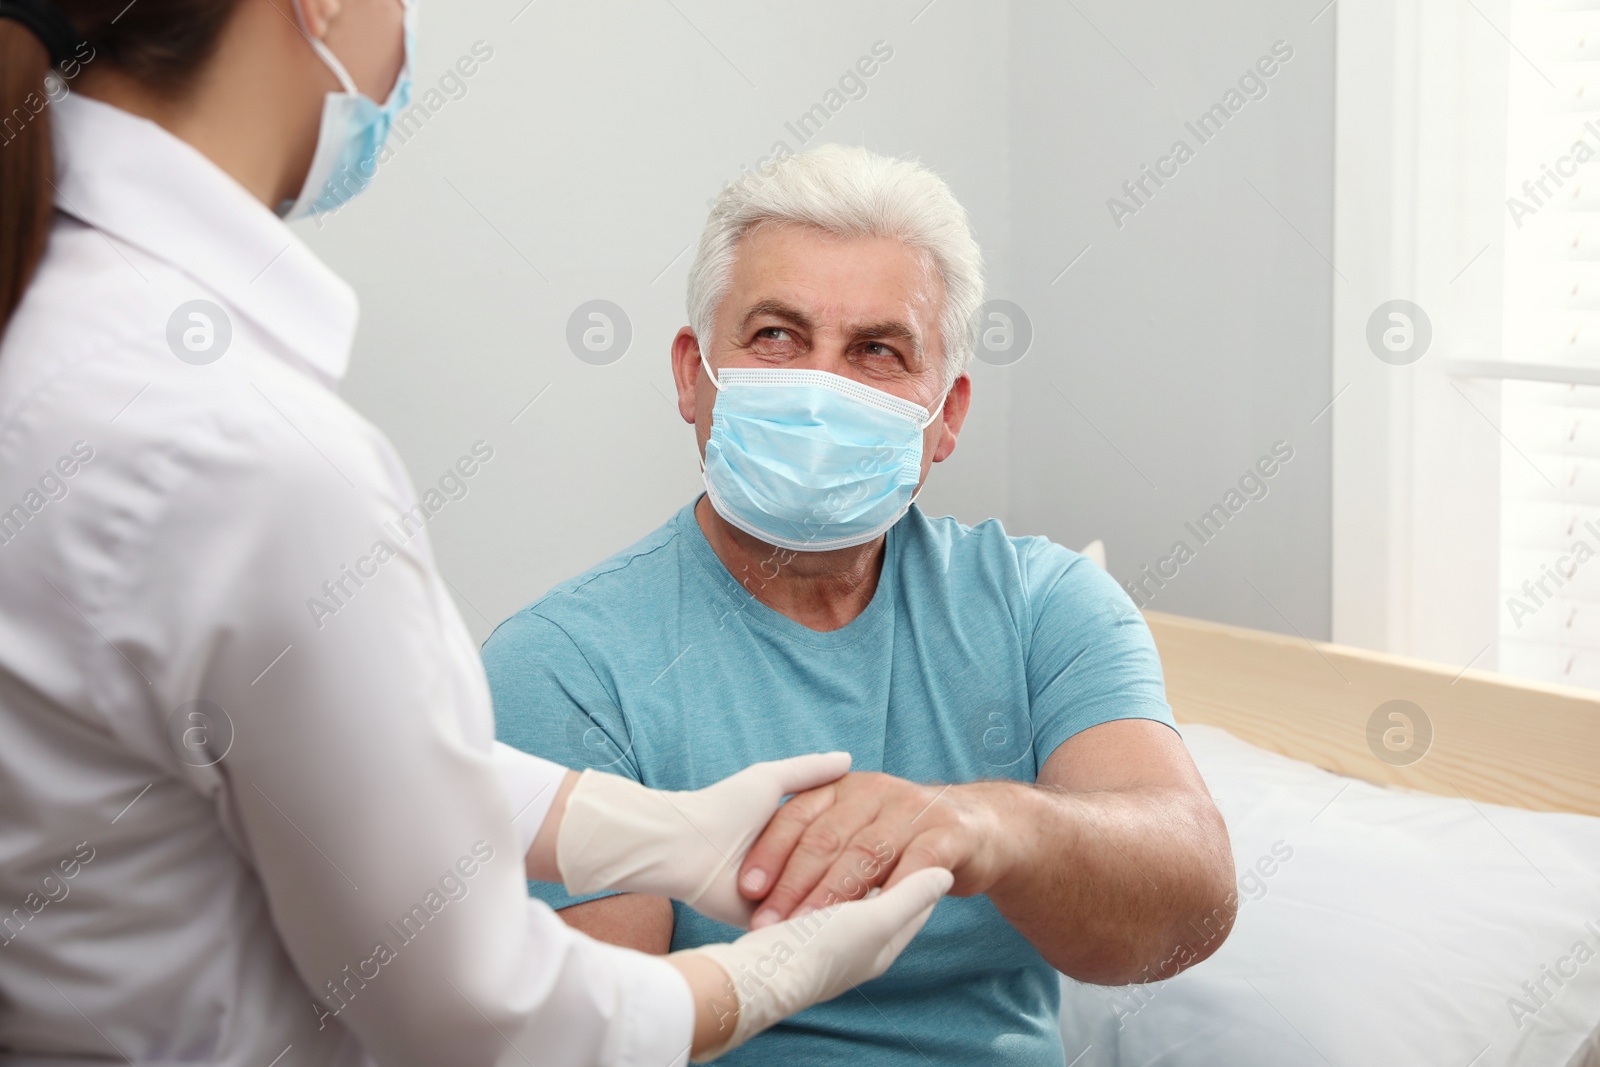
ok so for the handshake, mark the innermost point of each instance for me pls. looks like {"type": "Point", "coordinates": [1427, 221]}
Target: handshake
{"type": "Point", "coordinates": [616, 834]}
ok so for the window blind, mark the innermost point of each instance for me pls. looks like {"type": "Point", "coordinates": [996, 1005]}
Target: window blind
{"type": "Point", "coordinates": [1550, 462]}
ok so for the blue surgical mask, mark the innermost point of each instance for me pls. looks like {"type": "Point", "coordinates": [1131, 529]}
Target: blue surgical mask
{"type": "Point", "coordinates": [811, 461]}
{"type": "Point", "coordinates": [353, 133]}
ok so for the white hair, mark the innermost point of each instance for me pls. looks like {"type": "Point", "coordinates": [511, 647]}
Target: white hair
{"type": "Point", "coordinates": [848, 192]}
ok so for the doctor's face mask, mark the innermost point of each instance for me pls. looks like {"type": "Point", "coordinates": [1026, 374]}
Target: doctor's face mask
{"type": "Point", "coordinates": [354, 130]}
{"type": "Point", "coordinates": [811, 461]}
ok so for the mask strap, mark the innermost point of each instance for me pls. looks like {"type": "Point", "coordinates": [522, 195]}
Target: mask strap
{"type": "Point", "coordinates": [936, 413]}
{"type": "Point", "coordinates": [931, 418]}
{"type": "Point", "coordinates": [325, 53]}
{"type": "Point", "coordinates": [714, 382]}
{"type": "Point", "coordinates": [934, 417]}
{"type": "Point", "coordinates": [707, 366]}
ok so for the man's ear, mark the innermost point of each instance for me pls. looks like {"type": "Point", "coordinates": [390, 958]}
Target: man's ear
{"type": "Point", "coordinates": [686, 371]}
{"type": "Point", "coordinates": [953, 417]}
{"type": "Point", "coordinates": [318, 13]}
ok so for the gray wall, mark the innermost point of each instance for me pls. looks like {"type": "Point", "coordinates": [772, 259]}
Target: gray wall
{"type": "Point", "coordinates": [1190, 339]}
{"type": "Point", "coordinates": [576, 162]}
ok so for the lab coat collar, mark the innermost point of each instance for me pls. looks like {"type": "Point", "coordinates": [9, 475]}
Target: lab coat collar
{"type": "Point", "coordinates": [131, 179]}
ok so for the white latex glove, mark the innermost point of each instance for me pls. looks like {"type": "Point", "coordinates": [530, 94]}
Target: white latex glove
{"type": "Point", "coordinates": [618, 834]}
{"type": "Point", "coordinates": [782, 969]}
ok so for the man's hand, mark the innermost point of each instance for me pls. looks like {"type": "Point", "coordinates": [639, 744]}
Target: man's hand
{"type": "Point", "coordinates": [1115, 864]}
{"type": "Point", "coordinates": [839, 840]}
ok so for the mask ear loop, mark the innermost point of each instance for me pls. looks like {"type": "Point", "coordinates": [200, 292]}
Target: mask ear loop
{"type": "Point", "coordinates": [325, 53]}
{"type": "Point", "coordinates": [707, 365]}
{"type": "Point", "coordinates": [931, 420]}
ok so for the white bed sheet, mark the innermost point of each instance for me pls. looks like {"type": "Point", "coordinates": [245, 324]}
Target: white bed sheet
{"type": "Point", "coordinates": [1376, 927]}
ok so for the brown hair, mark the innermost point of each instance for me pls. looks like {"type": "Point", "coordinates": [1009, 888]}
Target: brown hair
{"type": "Point", "coordinates": [161, 43]}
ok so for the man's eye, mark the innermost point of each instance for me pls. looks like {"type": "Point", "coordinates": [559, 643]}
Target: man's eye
{"type": "Point", "coordinates": [773, 333]}
{"type": "Point", "coordinates": [874, 348]}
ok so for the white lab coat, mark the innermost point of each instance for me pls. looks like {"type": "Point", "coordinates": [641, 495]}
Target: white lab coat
{"type": "Point", "coordinates": [344, 884]}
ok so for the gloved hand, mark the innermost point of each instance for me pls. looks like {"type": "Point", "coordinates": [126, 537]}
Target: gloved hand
{"type": "Point", "coordinates": [779, 970]}
{"type": "Point", "coordinates": [618, 834]}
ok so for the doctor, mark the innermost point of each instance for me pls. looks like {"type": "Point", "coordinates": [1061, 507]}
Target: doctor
{"type": "Point", "coordinates": [234, 830]}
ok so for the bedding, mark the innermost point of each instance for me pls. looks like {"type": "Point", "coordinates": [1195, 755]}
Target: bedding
{"type": "Point", "coordinates": [1375, 926]}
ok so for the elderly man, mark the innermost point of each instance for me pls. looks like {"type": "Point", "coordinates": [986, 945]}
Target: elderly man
{"type": "Point", "coordinates": [1001, 697]}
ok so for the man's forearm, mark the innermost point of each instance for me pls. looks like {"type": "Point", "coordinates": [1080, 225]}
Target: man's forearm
{"type": "Point", "coordinates": [1111, 887]}
{"type": "Point", "coordinates": [632, 920]}
{"type": "Point", "coordinates": [1115, 865]}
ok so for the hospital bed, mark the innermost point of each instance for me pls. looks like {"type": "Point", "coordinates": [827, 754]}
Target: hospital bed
{"type": "Point", "coordinates": [1418, 849]}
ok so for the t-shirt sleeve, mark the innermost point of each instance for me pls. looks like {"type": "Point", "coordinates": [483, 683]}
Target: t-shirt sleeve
{"type": "Point", "coordinates": [1090, 656]}
{"type": "Point", "coordinates": [548, 701]}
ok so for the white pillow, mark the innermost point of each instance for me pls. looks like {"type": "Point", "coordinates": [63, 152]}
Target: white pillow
{"type": "Point", "coordinates": [1376, 927]}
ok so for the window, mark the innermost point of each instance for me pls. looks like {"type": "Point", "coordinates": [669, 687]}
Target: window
{"type": "Point", "coordinates": [1469, 187]}
{"type": "Point", "coordinates": [1550, 469]}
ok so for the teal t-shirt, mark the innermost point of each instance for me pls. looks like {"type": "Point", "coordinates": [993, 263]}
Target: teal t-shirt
{"type": "Point", "coordinates": [978, 654]}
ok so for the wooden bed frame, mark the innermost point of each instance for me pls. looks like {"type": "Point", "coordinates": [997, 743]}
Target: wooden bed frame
{"type": "Point", "coordinates": [1494, 738]}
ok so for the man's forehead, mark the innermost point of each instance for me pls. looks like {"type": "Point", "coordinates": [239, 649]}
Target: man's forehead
{"type": "Point", "coordinates": [784, 270]}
